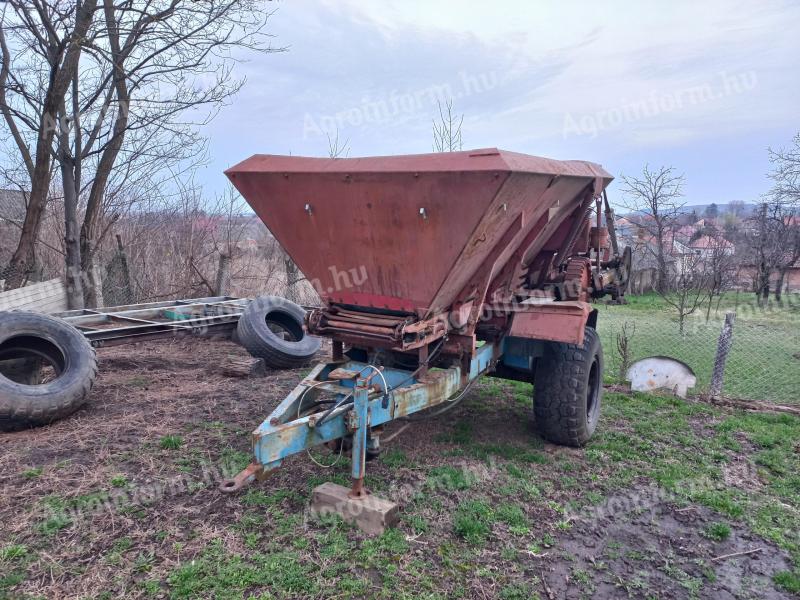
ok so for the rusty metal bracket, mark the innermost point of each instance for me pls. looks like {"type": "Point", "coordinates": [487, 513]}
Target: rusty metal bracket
{"type": "Point", "coordinates": [250, 473]}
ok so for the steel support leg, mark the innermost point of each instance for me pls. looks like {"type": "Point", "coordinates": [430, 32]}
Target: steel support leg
{"type": "Point", "coordinates": [361, 410]}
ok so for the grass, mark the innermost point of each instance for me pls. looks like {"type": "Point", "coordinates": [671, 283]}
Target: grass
{"type": "Point", "coordinates": [762, 364]}
{"type": "Point", "coordinates": [512, 515]}
{"type": "Point", "coordinates": [13, 561]}
{"type": "Point", "coordinates": [473, 521]}
{"type": "Point", "coordinates": [119, 481]}
{"type": "Point", "coordinates": [788, 581]}
{"type": "Point", "coordinates": [450, 478]}
{"type": "Point", "coordinates": [170, 442]}
{"type": "Point", "coordinates": [770, 511]}
{"type": "Point", "coordinates": [395, 458]}
{"type": "Point", "coordinates": [493, 510]}
{"type": "Point", "coordinates": [717, 531]}
{"type": "Point", "coordinates": [12, 553]}
{"type": "Point", "coordinates": [32, 473]}
{"type": "Point", "coordinates": [138, 381]}
{"type": "Point", "coordinates": [518, 591]}
{"type": "Point", "coordinates": [219, 574]}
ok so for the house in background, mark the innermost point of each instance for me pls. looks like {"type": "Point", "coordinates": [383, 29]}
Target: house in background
{"type": "Point", "coordinates": [746, 275]}
{"type": "Point", "coordinates": [685, 233]}
{"type": "Point", "coordinates": [706, 246]}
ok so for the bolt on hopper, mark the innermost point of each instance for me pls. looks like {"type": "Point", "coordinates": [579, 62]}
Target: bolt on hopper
{"type": "Point", "coordinates": [470, 262]}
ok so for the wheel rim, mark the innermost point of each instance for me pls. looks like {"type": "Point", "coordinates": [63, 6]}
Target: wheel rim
{"type": "Point", "coordinates": [593, 389]}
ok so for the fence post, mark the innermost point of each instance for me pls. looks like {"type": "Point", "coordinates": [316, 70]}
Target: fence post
{"type": "Point", "coordinates": [117, 288]}
{"type": "Point", "coordinates": [723, 347]}
{"type": "Point", "coordinates": [223, 275]}
{"type": "Point", "coordinates": [97, 282]}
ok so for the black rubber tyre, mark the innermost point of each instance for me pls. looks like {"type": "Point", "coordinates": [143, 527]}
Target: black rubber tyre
{"type": "Point", "coordinates": [271, 328]}
{"type": "Point", "coordinates": [568, 391]}
{"type": "Point", "coordinates": [44, 343]}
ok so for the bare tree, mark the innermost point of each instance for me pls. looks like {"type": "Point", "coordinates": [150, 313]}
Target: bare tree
{"type": "Point", "coordinates": [773, 244]}
{"type": "Point", "coordinates": [176, 249]}
{"type": "Point", "coordinates": [655, 197]}
{"type": "Point", "coordinates": [151, 73]}
{"type": "Point", "coordinates": [761, 245]}
{"type": "Point", "coordinates": [720, 266]}
{"type": "Point", "coordinates": [57, 32]}
{"type": "Point", "coordinates": [785, 196]}
{"type": "Point", "coordinates": [337, 148]}
{"type": "Point", "coordinates": [178, 57]}
{"type": "Point", "coordinates": [789, 238]}
{"type": "Point", "coordinates": [625, 347]}
{"type": "Point", "coordinates": [447, 130]}
{"type": "Point", "coordinates": [687, 288]}
{"type": "Point", "coordinates": [786, 172]}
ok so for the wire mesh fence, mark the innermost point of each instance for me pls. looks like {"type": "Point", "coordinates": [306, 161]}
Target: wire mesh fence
{"type": "Point", "coordinates": [763, 361]}
{"type": "Point", "coordinates": [12, 277]}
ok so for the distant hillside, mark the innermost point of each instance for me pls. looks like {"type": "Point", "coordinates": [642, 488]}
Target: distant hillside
{"type": "Point", "coordinates": [742, 208]}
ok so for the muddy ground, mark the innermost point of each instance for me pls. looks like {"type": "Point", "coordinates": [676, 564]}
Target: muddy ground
{"type": "Point", "coordinates": [120, 499]}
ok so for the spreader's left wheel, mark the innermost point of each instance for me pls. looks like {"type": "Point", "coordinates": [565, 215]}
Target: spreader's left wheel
{"type": "Point", "coordinates": [568, 391]}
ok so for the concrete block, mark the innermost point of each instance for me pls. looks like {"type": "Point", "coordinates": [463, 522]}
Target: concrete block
{"type": "Point", "coordinates": [371, 514]}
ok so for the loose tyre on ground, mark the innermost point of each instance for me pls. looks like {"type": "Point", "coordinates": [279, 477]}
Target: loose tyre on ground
{"type": "Point", "coordinates": [47, 369]}
{"type": "Point", "coordinates": [271, 328]}
{"type": "Point", "coordinates": [568, 391]}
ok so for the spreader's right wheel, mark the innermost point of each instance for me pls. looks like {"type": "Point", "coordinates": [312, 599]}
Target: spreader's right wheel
{"type": "Point", "coordinates": [568, 391]}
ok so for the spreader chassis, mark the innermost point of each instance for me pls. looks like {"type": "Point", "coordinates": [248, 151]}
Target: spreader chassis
{"type": "Point", "coordinates": [364, 404]}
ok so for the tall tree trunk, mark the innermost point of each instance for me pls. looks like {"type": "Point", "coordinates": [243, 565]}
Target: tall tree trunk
{"type": "Point", "coordinates": [24, 258]}
{"type": "Point", "coordinates": [72, 262]}
{"type": "Point", "coordinates": [762, 284]}
{"type": "Point", "coordinates": [71, 245]}
{"type": "Point", "coordinates": [109, 155]}
{"type": "Point", "coordinates": [223, 283]}
{"type": "Point", "coordinates": [23, 261]}
{"type": "Point", "coordinates": [779, 284]}
{"type": "Point", "coordinates": [661, 260]}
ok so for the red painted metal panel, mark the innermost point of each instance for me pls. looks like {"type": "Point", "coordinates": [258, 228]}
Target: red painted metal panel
{"type": "Point", "coordinates": [405, 232]}
{"type": "Point", "coordinates": [554, 321]}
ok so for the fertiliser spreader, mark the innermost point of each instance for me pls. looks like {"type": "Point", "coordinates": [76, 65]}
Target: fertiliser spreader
{"type": "Point", "coordinates": [435, 269]}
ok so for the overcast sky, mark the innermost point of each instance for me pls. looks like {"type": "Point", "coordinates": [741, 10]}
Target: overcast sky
{"type": "Point", "coordinates": [705, 86]}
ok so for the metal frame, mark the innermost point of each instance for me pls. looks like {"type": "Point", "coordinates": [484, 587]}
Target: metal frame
{"type": "Point", "coordinates": [364, 405]}
{"type": "Point", "coordinates": [112, 326]}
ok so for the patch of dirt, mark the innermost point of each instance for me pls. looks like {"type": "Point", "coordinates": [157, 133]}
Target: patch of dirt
{"type": "Point", "coordinates": [662, 552]}
{"type": "Point", "coordinates": [151, 390]}
{"type": "Point", "coordinates": [741, 473]}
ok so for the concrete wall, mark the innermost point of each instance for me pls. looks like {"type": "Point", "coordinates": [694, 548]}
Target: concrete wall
{"type": "Point", "coordinates": [746, 275]}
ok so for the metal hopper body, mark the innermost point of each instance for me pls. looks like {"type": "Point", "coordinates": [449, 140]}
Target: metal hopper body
{"type": "Point", "coordinates": [434, 269]}
{"type": "Point", "coordinates": [422, 235]}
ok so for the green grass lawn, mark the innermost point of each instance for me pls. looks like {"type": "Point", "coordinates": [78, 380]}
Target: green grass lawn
{"type": "Point", "coordinates": [489, 510]}
{"type": "Point", "coordinates": [764, 362]}
{"type": "Point", "coordinates": [512, 526]}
